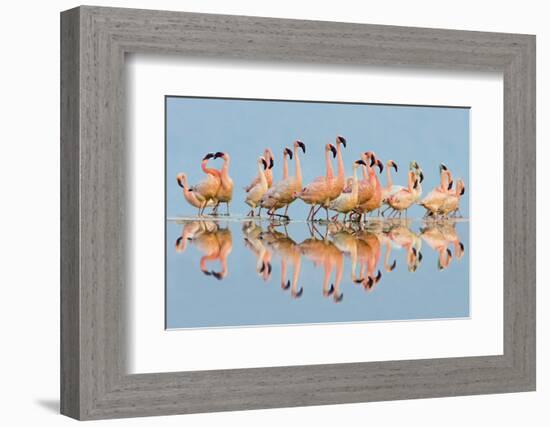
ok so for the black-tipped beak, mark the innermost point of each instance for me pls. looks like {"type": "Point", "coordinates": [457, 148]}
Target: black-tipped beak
{"type": "Point", "coordinates": [217, 275]}
{"type": "Point", "coordinates": [415, 186]}
{"type": "Point", "coordinates": [413, 251]}
{"type": "Point", "coordinates": [178, 241]}
{"type": "Point", "coordinates": [333, 149]}
{"type": "Point", "coordinates": [462, 191]}
{"type": "Point", "coordinates": [421, 176]}
{"type": "Point", "coordinates": [179, 181]}
{"type": "Point", "coordinates": [461, 246]}
{"type": "Point", "coordinates": [285, 286]}
{"type": "Point", "coordinates": [341, 140]}
{"type": "Point", "coordinates": [208, 156]}
{"type": "Point", "coordinates": [420, 257]}
{"type": "Point", "coordinates": [271, 163]}
{"type": "Point", "coordinates": [218, 154]}
{"type": "Point", "coordinates": [360, 162]}
{"type": "Point", "coordinates": [378, 276]}
{"type": "Point", "coordinates": [299, 293]}
{"type": "Point", "coordinates": [380, 165]}
{"type": "Point", "coordinates": [302, 146]}
{"type": "Point", "coordinates": [289, 152]}
{"type": "Point", "coordinates": [394, 165]}
{"type": "Point", "coordinates": [442, 166]}
{"type": "Point", "coordinates": [338, 298]}
{"type": "Point", "coordinates": [449, 253]}
{"type": "Point", "coordinates": [394, 264]}
{"type": "Point", "coordinates": [450, 185]}
{"type": "Point", "coordinates": [264, 163]}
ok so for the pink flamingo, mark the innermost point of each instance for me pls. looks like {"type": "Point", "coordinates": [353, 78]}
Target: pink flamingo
{"type": "Point", "coordinates": [208, 188]}
{"type": "Point", "coordinates": [376, 200]}
{"type": "Point", "coordinates": [256, 193]}
{"type": "Point", "coordinates": [452, 203]}
{"type": "Point", "coordinates": [225, 191]}
{"type": "Point", "coordinates": [317, 192]}
{"type": "Point", "coordinates": [404, 198]}
{"type": "Point", "coordinates": [268, 156]}
{"type": "Point", "coordinates": [194, 198]}
{"type": "Point", "coordinates": [346, 202]}
{"type": "Point", "coordinates": [435, 198]}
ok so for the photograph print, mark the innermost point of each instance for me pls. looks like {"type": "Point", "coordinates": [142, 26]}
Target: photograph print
{"type": "Point", "coordinates": [290, 212]}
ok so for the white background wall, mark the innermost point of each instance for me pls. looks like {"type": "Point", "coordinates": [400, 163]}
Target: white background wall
{"type": "Point", "coordinates": [29, 211]}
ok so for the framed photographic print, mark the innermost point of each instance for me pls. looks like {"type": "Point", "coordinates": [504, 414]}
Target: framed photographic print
{"type": "Point", "coordinates": [262, 213]}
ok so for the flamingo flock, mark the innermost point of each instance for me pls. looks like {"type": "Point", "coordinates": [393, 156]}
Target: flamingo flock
{"type": "Point", "coordinates": [371, 248]}
{"type": "Point", "coordinates": [355, 197]}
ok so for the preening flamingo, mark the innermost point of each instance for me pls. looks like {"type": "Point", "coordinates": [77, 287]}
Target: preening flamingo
{"type": "Point", "coordinates": [284, 192]}
{"type": "Point", "coordinates": [268, 156]}
{"type": "Point", "coordinates": [225, 191]}
{"type": "Point", "coordinates": [318, 191]}
{"type": "Point", "coordinates": [346, 202]}
{"type": "Point", "coordinates": [208, 188]}
{"type": "Point", "coordinates": [256, 193]}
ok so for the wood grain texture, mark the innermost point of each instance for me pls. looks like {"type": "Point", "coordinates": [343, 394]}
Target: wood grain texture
{"type": "Point", "coordinates": [95, 273]}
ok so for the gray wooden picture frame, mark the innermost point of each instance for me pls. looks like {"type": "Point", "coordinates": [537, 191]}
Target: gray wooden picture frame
{"type": "Point", "coordinates": [94, 41]}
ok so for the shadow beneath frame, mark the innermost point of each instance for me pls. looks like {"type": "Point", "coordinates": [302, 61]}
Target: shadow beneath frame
{"type": "Point", "coordinates": [51, 405]}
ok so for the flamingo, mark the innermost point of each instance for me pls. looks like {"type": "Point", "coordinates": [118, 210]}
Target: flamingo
{"type": "Point", "coordinates": [346, 202]}
{"type": "Point", "coordinates": [256, 193]}
{"type": "Point", "coordinates": [283, 193]}
{"type": "Point", "coordinates": [434, 200]}
{"type": "Point", "coordinates": [215, 244]}
{"type": "Point", "coordinates": [404, 237]}
{"type": "Point", "coordinates": [452, 201]}
{"type": "Point", "coordinates": [368, 253]}
{"type": "Point", "coordinates": [346, 243]}
{"type": "Point", "coordinates": [194, 198]}
{"type": "Point", "coordinates": [375, 201]}
{"type": "Point", "coordinates": [390, 189]}
{"type": "Point", "coordinates": [208, 188]}
{"type": "Point", "coordinates": [415, 167]}
{"type": "Point", "coordinates": [225, 191]}
{"type": "Point", "coordinates": [268, 156]}
{"type": "Point", "coordinates": [317, 192]}
{"type": "Point", "coordinates": [253, 240]}
{"type": "Point", "coordinates": [404, 198]}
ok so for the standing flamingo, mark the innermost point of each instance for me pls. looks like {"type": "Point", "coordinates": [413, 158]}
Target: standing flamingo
{"type": "Point", "coordinates": [317, 192]}
{"type": "Point", "coordinates": [268, 156]}
{"type": "Point", "coordinates": [225, 191]}
{"type": "Point", "coordinates": [194, 198]}
{"type": "Point", "coordinates": [346, 202]}
{"type": "Point", "coordinates": [208, 188]}
{"type": "Point", "coordinates": [404, 198]}
{"type": "Point", "coordinates": [283, 193]}
{"type": "Point", "coordinates": [376, 200]}
{"type": "Point", "coordinates": [452, 203]}
{"type": "Point", "coordinates": [434, 200]}
{"type": "Point", "coordinates": [256, 193]}
{"type": "Point", "coordinates": [390, 189]}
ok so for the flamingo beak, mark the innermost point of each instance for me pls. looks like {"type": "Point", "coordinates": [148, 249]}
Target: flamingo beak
{"type": "Point", "coordinates": [178, 178]}
{"type": "Point", "coordinates": [462, 191]}
{"type": "Point", "coordinates": [264, 163]}
{"type": "Point", "coordinates": [415, 186]}
{"type": "Point", "coordinates": [380, 165]}
{"type": "Point", "coordinates": [394, 165]}
{"type": "Point", "coordinates": [333, 149]}
{"type": "Point", "coordinates": [421, 176]}
{"type": "Point", "coordinates": [208, 156]}
{"type": "Point", "coordinates": [450, 185]}
{"type": "Point", "coordinates": [394, 264]}
{"type": "Point", "coordinates": [302, 146]}
{"type": "Point", "coordinates": [341, 140]}
{"type": "Point", "coordinates": [372, 159]}
{"type": "Point", "coordinates": [289, 152]}
{"type": "Point", "coordinates": [378, 277]}
{"type": "Point", "coordinates": [219, 154]}
{"type": "Point", "coordinates": [360, 162]}
{"type": "Point", "coordinates": [442, 167]}
{"type": "Point", "coordinates": [271, 163]}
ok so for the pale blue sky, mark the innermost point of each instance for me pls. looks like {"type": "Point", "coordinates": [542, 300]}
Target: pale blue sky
{"type": "Point", "coordinates": [243, 128]}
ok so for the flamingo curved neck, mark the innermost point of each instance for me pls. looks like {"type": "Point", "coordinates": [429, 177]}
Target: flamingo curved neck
{"type": "Point", "coordinates": [285, 167]}
{"type": "Point", "coordinates": [298, 172]}
{"type": "Point", "coordinates": [340, 163]}
{"type": "Point", "coordinates": [328, 164]}
{"type": "Point", "coordinates": [209, 171]}
{"type": "Point", "coordinates": [388, 176]}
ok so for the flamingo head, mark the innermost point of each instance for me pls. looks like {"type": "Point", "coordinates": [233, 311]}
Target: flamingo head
{"type": "Point", "coordinates": [263, 162]}
{"type": "Point", "coordinates": [442, 167]}
{"type": "Point", "coordinates": [392, 164]}
{"type": "Point", "coordinates": [300, 144]}
{"type": "Point", "coordinates": [268, 155]}
{"type": "Point", "coordinates": [181, 178]}
{"type": "Point", "coordinates": [219, 154]}
{"type": "Point", "coordinates": [460, 185]}
{"type": "Point", "coordinates": [208, 156]}
{"type": "Point", "coordinates": [359, 162]}
{"type": "Point", "coordinates": [369, 155]}
{"type": "Point", "coordinates": [288, 152]}
{"type": "Point", "coordinates": [380, 165]}
{"type": "Point", "coordinates": [341, 140]}
{"type": "Point", "coordinates": [332, 148]}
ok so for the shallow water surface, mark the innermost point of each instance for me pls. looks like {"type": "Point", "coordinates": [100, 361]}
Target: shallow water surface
{"type": "Point", "coordinates": [231, 272]}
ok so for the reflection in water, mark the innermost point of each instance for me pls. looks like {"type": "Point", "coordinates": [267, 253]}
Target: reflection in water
{"type": "Point", "coordinates": [325, 248]}
{"type": "Point", "coordinates": [221, 272]}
